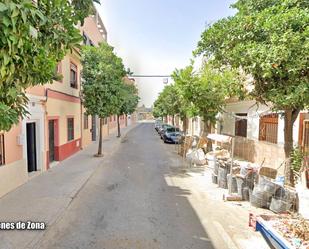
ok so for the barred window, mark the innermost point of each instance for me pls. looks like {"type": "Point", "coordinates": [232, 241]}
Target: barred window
{"type": "Point", "coordinates": [268, 130]}
{"type": "Point", "coordinates": [2, 154]}
{"type": "Point", "coordinates": [70, 127]}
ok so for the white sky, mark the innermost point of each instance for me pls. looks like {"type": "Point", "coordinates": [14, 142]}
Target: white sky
{"type": "Point", "coordinates": [157, 36]}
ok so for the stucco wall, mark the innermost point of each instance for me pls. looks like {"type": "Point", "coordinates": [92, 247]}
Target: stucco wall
{"type": "Point", "coordinates": [12, 175]}
{"type": "Point", "coordinates": [64, 85]}
{"type": "Point", "coordinates": [64, 110]}
{"type": "Point", "coordinates": [253, 111]}
{"type": "Point", "coordinates": [13, 151]}
{"type": "Point", "coordinates": [91, 29]}
{"type": "Point", "coordinates": [250, 148]}
{"type": "Point", "coordinates": [86, 133]}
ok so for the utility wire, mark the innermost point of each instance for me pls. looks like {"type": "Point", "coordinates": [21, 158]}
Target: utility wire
{"type": "Point", "coordinates": [151, 76]}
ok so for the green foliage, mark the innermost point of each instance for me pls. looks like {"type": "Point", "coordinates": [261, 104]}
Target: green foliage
{"type": "Point", "coordinates": [205, 92]}
{"type": "Point", "coordinates": [184, 80]}
{"type": "Point", "coordinates": [83, 8]}
{"type": "Point", "coordinates": [211, 90]}
{"type": "Point", "coordinates": [102, 75]}
{"type": "Point", "coordinates": [128, 99]}
{"type": "Point", "coordinates": [33, 38]}
{"type": "Point", "coordinates": [268, 39]}
{"type": "Point", "coordinates": [296, 159]}
{"type": "Point", "coordinates": [168, 102]}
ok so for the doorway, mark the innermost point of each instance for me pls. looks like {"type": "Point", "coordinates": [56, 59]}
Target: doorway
{"type": "Point", "coordinates": [93, 128]}
{"type": "Point", "coordinates": [31, 147]}
{"type": "Point", "coordinates": [51, 140]}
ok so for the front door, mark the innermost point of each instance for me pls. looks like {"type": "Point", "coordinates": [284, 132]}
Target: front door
{"type": "Point", "coordinates": [51, 131]}
{"type": "Point", "coordinates": [31, 147]}
{"type": "Point", "coordinates": [93, 128]}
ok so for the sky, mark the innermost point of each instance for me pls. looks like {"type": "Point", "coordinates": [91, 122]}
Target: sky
{"type": "Point", "coordinates": [153, 37]}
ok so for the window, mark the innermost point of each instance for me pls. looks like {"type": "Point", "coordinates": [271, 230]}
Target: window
{"type": "Point", "coordinates": [70, 129]}
{"type": "Point", "coordinates": [2, 155]}
{"type": "Point", "coordinates": [268, 130]}
{"type": "Point", "coordinates": [73, 75]}
{"type": "Point", "coordinates": [104, 121]}
{"type": "Point", "coordinates": [241, 125]}
{"type": "Point", "coordinates": [86, 125]}
{"type": "Point", "coordinates": [87, 40]}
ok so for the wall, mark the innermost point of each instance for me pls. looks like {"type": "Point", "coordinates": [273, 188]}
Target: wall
{"type": "Point", "coordinates": [92, 31]}
{"type": "Point", "coordinates": [62, 110]}
{"type": "Point", "coordinates": [86, 133]}
{"type": "Point", "coordinates": [250, 148]}
{"type": "Point", "coordinates": [260, 152]}
{"type": "Point", "coordinates": [12, 175]}
{"type": "Point", "coordinates": [14, 172]}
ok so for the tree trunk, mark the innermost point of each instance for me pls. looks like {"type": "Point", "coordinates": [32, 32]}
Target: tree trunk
{"type": "Point", "coordinates": [184, 125]}
{"type": "Point", "coordinates": [173, 120]}
{"type": "Point", "coordinates": [207, 130]}
{"type": "Point", "coordinates": [100, 150]}
{"type": "Point", "coordinates": [289, 119]}
{"type": "Point", "coordinates": [118, 126]}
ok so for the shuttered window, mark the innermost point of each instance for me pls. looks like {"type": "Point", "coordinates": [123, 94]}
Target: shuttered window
{"type": "Point", "coordinates": [268, 130]}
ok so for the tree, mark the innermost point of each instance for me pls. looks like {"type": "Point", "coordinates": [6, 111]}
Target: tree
{"type": "Point", "coordinates": [268, 40]}
{"type": "Point", "coordinates": [184, 79]}
{"type": "Point", "coordinates": [102, 78]}
{"type": "Point", "coordinates": [128, 100]}
{"type": "Point", "coordinates": [208, 91]}
{"type": "Point", "coordinates": [34, 37]}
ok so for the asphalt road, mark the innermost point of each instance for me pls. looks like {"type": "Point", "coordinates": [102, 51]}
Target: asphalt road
{"type": "Point", "coordinates": [127, 203]}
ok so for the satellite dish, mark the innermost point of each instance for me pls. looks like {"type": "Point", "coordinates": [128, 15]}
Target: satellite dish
{"type": "Point", "coordinates": [165, 81]}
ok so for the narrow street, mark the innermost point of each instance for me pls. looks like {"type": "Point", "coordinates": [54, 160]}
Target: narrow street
{"type": "Point", "coordinates": [128, 204]}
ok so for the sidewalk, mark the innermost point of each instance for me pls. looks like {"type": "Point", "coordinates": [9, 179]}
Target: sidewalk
{"type": "Point", "coordinates": [225, 222]}
{"type": "Point", "coordinates": [45, 197]}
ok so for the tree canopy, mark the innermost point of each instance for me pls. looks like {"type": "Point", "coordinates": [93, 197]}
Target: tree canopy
{"type": "Point", "coordinates": [268, 40]}
{"type": "Point", "coordinates": [102, 80]}
{"type": "Point", "coordinates": [34, 37]}
{"type": "Point", "coordinates": [128, 99]}
{"type": "Point", "coordinates": [102, 73]}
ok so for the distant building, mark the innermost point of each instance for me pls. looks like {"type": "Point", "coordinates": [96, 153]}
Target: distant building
{"type": "Point", "coordinates": [144, 113]}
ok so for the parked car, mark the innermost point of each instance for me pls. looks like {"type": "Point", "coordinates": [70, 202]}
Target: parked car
{"type": "Point", "coordinates": [172, 136]}
{"type": "Point", "coordinates": [158, 124]}
{"type": "Point", "coordinates": [168, 129]}
{"type": "Point", "coordinates": [163, 127]}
